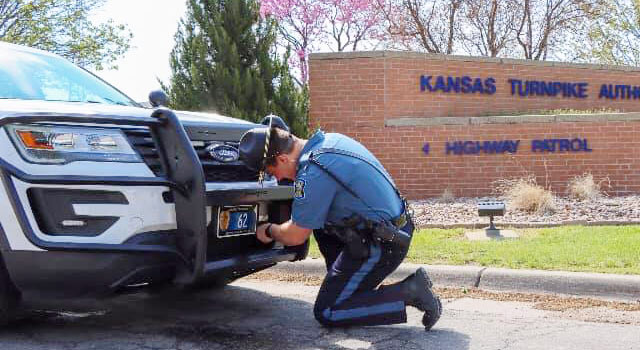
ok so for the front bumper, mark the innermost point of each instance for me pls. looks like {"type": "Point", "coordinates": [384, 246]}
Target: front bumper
{"type": "Point", "coordinates": [69, 273]}
{"type": "Point", "coordinates": [115, 265]}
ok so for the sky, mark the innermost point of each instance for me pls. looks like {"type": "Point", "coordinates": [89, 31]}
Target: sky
{"type": "Point", "coordinates": [153, 24]}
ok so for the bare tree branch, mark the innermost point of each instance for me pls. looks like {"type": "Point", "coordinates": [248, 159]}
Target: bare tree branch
{"type": "Point", "coordinates": [542, 22]}
{"type": "Point", "coordinates": [489, 28]}
{"type": "Point", "coordinates": [422, 25]}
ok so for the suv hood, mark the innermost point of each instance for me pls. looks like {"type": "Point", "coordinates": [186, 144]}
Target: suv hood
{"type": "Point", "coordinates": [10, 107]}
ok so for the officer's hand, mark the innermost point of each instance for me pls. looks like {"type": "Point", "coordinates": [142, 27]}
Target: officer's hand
{"type": "Point", "coordinates": [262, 235]}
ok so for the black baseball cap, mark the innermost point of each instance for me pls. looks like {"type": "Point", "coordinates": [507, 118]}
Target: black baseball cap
{"type": "Point", "coordinates": [254, 144]}
{"type": "Point", "coordinates": [254, 148]}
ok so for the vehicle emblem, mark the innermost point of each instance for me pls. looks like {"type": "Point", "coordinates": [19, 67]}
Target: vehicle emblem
{"type": "Point", "coordinates": [223, 153]}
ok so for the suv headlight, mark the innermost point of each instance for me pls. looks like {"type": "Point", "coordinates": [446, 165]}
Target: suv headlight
{"type": "Point", "coordinates": [64, 144]}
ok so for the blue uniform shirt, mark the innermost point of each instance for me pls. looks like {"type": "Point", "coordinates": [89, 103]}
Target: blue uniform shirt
{"type": "Point", "coordinates": [319, 198]}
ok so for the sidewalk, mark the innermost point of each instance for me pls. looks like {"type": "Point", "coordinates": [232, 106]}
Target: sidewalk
{"type": "Point", "coordinates": [594, 285]}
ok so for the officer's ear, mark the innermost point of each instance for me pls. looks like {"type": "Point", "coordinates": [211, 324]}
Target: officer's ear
{"type": "Point", "coordinates": [282, 158]}
{"type": "Point", "coordinates": [290, 158]}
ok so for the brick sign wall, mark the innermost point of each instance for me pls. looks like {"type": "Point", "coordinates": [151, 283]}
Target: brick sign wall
{"type": "Point", "coordinates": [440, 122]}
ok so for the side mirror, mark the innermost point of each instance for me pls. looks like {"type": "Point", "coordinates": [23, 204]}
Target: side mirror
{"type": "Point", "coordinates": [275, 121]}
{"type": "Point", "coordinates": [158, 98]}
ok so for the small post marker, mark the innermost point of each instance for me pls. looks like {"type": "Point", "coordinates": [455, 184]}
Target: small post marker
{"type": "Point", "coordinates": [491, 209]}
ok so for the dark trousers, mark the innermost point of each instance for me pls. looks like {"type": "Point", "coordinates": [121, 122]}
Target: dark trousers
{"type": "Point", "coordinates": [348, 295]}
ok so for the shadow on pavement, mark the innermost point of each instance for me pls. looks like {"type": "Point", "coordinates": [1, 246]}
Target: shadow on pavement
{"type": "Point", "coordinates": [229, 318]}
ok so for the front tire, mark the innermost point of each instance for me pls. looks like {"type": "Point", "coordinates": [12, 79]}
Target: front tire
{"type": "Point", "coordinates": [9, 295]}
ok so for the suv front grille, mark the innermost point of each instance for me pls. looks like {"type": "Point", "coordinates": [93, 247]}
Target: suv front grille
{"type": "Point", "coordinates": [214, 171]}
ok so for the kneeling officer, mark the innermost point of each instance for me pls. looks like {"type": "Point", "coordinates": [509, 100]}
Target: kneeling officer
{"type": "Point", "coordinates": [348, 200]}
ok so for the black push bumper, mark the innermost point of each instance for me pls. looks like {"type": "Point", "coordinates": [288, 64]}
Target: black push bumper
{"type": "Point", "coordinates": [186, 258]}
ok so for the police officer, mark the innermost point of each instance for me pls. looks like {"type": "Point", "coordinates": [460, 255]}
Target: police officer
{"type": "Point", "coordinates": [340, 188]}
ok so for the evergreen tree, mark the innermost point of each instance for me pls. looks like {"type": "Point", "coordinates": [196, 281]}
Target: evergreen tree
{"type": "Point", "coordinates": [290, 101]}
{"type": "Point", "coordinates": [225, 59]}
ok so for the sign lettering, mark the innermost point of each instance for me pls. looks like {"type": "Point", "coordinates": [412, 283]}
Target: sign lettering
{"type": "Point", "coordinates": [465, 84]}
{"type": "Point", "coordinates": [468, 147]}
{"type": "Point", "coordinates": [525, 88]}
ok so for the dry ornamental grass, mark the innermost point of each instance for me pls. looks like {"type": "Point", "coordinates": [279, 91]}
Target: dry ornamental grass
{"type": "Point", "coordinates": [526, 195]}
{"type": "Point", "coordinates": [447, 196]}
{"type": "Point", "coordinates": [584, 187]}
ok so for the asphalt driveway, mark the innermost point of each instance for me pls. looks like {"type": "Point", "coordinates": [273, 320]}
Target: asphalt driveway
{"type": "Point", "coordinates": [260, 314]}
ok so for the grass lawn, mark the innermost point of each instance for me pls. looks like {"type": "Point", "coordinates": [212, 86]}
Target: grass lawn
{"type": "Point", "coordinates": [609, 249]}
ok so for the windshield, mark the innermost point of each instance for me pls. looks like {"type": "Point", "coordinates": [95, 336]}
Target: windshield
{"type": "Point", "coordinates": [35, 76]}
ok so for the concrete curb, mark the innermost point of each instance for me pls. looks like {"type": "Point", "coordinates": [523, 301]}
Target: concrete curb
{"type": "Point", "coordinates": [501, 224]}
{"type": "Point", "coordinates": [593, 285]}
{"type": "Point", "coordinates": [599, 285]}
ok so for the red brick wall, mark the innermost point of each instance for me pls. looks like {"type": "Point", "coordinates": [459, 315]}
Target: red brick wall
{"type": "Point", "coordinates": [361, 94]}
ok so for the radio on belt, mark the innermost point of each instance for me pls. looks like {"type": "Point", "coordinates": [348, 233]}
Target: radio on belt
{"type": "Point", "coordinates": [491, 209]}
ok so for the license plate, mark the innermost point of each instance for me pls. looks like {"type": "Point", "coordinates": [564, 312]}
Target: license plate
{"type": "Point", "coordinates": [237, 221]}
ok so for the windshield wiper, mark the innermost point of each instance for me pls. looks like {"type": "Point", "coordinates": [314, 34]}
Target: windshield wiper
{"type": "Point", "coordinates": [106, 99]}
{"type": "Point", "coordinates": [119, 103]}
{"type": "Point", "coordinates": [93, 101]}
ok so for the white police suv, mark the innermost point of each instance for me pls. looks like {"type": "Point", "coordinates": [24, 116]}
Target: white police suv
{"type": "Point", "coordinates": [98, 194]}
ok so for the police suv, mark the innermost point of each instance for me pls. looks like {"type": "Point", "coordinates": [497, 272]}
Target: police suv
{"type": "Point", "coordinates": [98, 194]}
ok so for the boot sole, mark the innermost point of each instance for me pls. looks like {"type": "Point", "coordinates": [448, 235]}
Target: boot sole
{"type": "Point", "coordinates": [427, 321]}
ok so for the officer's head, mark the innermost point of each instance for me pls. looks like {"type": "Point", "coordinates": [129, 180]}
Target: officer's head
{"type": "Point", "coordinates": [269, 149]}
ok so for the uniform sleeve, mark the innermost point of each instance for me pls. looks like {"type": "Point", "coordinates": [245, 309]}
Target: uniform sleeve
{"type": "Point", "coordinates": [314, 194]}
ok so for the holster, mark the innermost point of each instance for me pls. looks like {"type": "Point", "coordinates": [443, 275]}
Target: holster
{"type": "Point", "coordinates": [355, 239]}
{"type": "Point", "coordinates": [358, 234]}
{"type": "Point", "coordinates": [388, 233]}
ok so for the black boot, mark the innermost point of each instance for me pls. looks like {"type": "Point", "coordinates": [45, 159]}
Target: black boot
{"type": "Point", "coordinates": [420, 295]}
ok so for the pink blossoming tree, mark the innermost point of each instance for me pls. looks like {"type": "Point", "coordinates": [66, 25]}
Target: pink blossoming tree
{"type": "Point", "coordinates": [308, 25]}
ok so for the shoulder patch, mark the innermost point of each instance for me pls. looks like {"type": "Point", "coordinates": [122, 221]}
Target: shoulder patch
{"type": "Point", "coordinates": [298, 188]}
